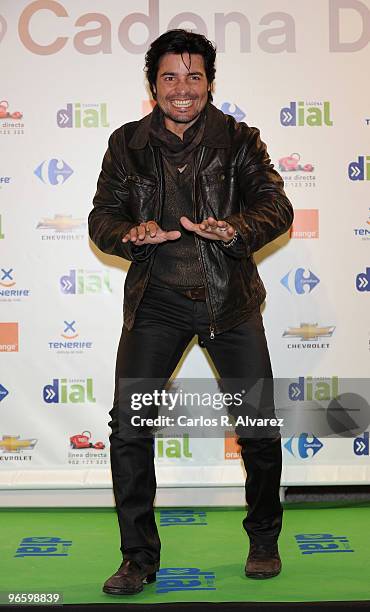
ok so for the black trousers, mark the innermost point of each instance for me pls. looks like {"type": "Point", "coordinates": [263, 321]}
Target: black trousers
{"type": "Point", "coordinates": [166, 321]}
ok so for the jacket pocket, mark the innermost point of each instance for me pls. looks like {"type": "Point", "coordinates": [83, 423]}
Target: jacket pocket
{"type": "Point", "coordinates": [219, 191]}
{"type": "Point", "coordinates": [142, 196]}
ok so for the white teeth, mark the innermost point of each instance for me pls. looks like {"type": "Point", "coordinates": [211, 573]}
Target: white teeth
{"type": "Point", "coordinates": [181, 103]}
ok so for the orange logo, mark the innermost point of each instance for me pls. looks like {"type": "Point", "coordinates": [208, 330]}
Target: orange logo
{"type": "Point", "coordinates": [232, 448]}
{"type": "Point", "coordinates": [8, 337]}
{"type": "Point", "coordinates": [305, 224]}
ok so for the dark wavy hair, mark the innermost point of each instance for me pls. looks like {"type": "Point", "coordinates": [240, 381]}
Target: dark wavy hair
{"type": "Point", "coordinates": [180, 41]}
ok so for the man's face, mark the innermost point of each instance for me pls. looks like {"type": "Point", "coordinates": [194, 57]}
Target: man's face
{"type": "Point", "coordinates": [182, 92]}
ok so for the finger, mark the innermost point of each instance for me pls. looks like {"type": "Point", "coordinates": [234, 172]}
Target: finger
{"type": "Point", "coordinates": [151, 228]}
{"type": "Point", "coordinates": [141, 231]}
{"type": "Point", "coordinates": [133, 234]}
{"type": "Point", "coordinates": [172, 235]}
{"type": "Point", "coordinates": [204, 225]}
{"type": "Point", "coordinates": [187, 224]}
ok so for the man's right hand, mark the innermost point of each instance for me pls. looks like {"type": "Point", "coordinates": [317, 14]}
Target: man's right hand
{"type": "Point", "coordinates": [149, 233]}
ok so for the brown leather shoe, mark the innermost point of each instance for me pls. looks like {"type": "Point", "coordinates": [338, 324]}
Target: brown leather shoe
{"type": "Point", "coordinates": [263, 561]}
{"type": "Point", "coordinates": [130, 578]}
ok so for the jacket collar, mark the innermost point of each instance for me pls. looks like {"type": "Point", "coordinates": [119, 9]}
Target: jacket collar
{"type": "Point", "coordinates": [215, 134]}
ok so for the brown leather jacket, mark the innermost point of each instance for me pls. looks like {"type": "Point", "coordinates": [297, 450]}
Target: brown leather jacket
{"type": "Point", "coordinates": [233, 180]}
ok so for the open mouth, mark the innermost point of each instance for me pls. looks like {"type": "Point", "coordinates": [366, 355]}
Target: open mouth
{"type": "Point", "coordinates": [182, 104]}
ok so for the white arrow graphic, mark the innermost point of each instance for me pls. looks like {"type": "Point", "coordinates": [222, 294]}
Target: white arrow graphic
{"type": "Point", "coordinates": [360, 446]}
{"type": "Point", "coordinates": [63, 118]}
{"type": "Point", "coordinates": [49, 394]}
{"type": "Point", "coordinates": [287, 116]}
{"type": "Point", "coordinates": [66, 284]}
{"type": "Point", "coordinates": [355, 171]}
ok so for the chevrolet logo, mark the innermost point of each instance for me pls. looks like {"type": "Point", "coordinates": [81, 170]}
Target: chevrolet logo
{"type": "Point", "coordinates": [61, 223]}
{"type": "Point", "coordinates": [309, 331]}
{"type": "Point", "coordinates": [13, 444]}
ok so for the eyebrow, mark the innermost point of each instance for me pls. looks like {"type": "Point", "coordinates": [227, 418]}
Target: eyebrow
{"type": "Point", "coordinates": [176, 73]}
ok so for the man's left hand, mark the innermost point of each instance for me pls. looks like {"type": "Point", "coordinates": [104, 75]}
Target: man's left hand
{"type": "Point", "coordinates": [210, 228]}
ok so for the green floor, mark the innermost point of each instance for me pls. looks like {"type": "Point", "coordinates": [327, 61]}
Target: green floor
{"type": "Point", "coordinates": [209, 551]}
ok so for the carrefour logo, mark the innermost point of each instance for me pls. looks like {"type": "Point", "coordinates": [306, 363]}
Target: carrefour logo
{"type": "Point", "coordinates": [310, 114]}
{"type": "Point", "coordinates": [305, 446]}
{"type": "Point", "coordinates": [360, 170]}
{"type": "Point", "coordinates": [300, 281]}
{"type": "Point", "coordinates": [229, 108]}
{"type": "Point", "coordinates": [55, 171]}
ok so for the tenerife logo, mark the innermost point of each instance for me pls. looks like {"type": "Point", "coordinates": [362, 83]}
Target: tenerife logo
{"type": "Point", "coordinates": [3, 392]}
{"type": "Point", "coordinates": [364, 232]}
{"type": "Point", "coordinates": [172, 448]}
{"type": "Point", "coordinates": [43, 546]}
{"type": "Point", "coordinates": [361, 445]}
{"type": "Point", "coordinates": [84, 282]}
{"type": "Point", "coordinates": [308, 389]}
{"type": "Point", "coordinates": [4, 180]}
{"type": "Point", "coordinates": [175, 517]}
{"type": "Point", "coordinates": [312, 543]}
{"type": "Point", "coordinates": [77, 115]}
{"type": "Point", "coordinates": [70, 342]}
{"type": "Point", "coordinates": [311, 114]}
{"type": "Point", "coordinates": [55, 171]}
{"type": "Point", "coordinates": [73, 391]}
{"type": "Point", "coordinates": [360, 170]}
{"type": "Point", "coordinates": [15, 444]}
{"type": "Point", "coordinates": [309, 331]}
{"type": "Point", "coordinates": [9, 337]}
{"type": "Point", "coordinates": [2, 236]}
{"type": "Point", "coordinates": [229, 108]}
{"type": "Point", "coordinates": [10, 121]}
{"type": "Point", "coordinates": [7, 292]}
{"type": "Point", "coordinates": [305, 223]}
{"type": "Point", "coordinates": [363, 281]}
{"type": "Point", "coordinates": [305, 446]}
{"type": "Point", "coordinates": [171, 579]}
{"type": "Point", "coordinates": [300, 281]}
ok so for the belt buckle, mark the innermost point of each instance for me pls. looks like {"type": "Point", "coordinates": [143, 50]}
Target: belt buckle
{"type": "Point", "coordinates": [197, 293]}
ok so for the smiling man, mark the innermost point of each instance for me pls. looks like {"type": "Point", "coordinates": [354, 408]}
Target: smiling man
{"type": "Point", "coordinates": [187, 195]}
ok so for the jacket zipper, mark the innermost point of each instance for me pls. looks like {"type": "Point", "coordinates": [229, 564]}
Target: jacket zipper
{"type": "Point", "coordinates": [208, 301]}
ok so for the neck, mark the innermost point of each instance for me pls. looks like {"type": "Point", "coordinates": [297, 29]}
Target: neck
{"type": "Point", "coordinates": [178, 128]}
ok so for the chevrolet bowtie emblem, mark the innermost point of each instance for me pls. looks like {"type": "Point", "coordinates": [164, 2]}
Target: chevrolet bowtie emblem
{"type": "Point", "coordinates": [309, 331]}
{"type": "Point", "coordinates": [13, 444]}
{"type": "Point", "coordinates": [61, 223]}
